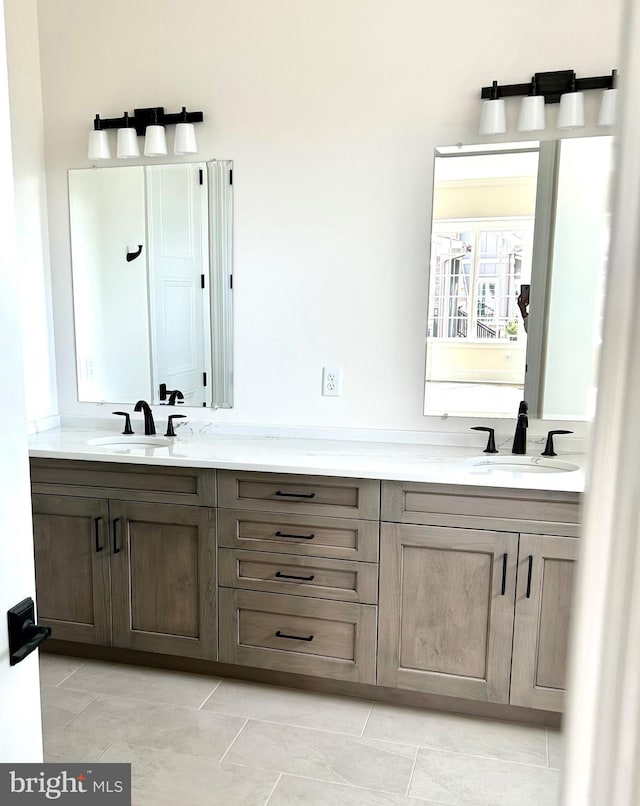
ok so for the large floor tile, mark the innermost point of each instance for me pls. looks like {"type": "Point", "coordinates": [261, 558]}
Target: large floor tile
{"type": "Point", "coordinates": [73, 746]}
{"type": "Point", "coordinates": [292, 791]}
{"type": "Point", "coordinates": [164, 778]}
{"type": "Point", "coordinates": [61, 705]}
{"type": "Point", "coordinates": [288, 706]}
{"type": "Point", "coordinates": [326, 756]}
{"type": "Point", "coordinates": [454, 778]}
{"type": "Point", "coordinates": [556, 749]}
{"type": "Point", "coordinates": [151, 685]}
{"type": "Point", "coordinates": [163, 727]}
{"type": "Point", "coordinates": [461, 734]}
{"type": "Point", "coordinates": [55, 668]}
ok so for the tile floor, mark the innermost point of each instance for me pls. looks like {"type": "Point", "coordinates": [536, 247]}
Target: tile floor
{"type": "Point", "coordinates": [205, 741]}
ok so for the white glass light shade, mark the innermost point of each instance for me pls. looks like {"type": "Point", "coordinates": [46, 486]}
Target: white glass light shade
{"type": "Point", "coordinates": [532, 117]}
{"type": "Point", "coordinates": [493, 118]}
{"type": "Point", "coordinates": [155, 142]}
{"type": "Point", "coordinates": [571, 114]}
{"type": "Point", "coordinates": [99, 145]}
{"type": "Point", "coordinates": [608, 108]}
{"type": "Point", "coordinates": [127, 143]}
{"type": "Point", "coordinates": [185, 141]}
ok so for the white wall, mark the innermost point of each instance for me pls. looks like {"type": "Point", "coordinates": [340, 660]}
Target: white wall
{"type": "Point", "coordinates": [331, 111]}
{"type": "Point", "coordinates": [32, 267]}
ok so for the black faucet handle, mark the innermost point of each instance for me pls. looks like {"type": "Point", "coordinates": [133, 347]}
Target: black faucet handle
{"type": "Point", "coordinates": [491, 442]}
{"type": "Point", "coordinates": [175, 396]}
{"type": "Point", "coordinates": [170, 432]}
{"type": "Point", "coordinates": [548, 448]}
{"type": "Point", "coordinates": [127, 421]}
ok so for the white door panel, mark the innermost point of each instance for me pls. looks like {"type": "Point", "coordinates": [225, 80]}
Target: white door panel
{"type": "Point", "coordinates": [178, 257]}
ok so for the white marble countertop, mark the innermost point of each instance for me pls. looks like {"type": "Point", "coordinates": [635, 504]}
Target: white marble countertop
{"type": "Point", "coordinates": [427, 461]}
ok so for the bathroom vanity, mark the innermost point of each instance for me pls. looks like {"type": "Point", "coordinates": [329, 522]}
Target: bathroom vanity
{"type": "Point", "coordinates": [457, 586]}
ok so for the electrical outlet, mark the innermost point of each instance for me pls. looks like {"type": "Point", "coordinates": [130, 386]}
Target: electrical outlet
{"type": "Point", "coordinates": [331, 382]}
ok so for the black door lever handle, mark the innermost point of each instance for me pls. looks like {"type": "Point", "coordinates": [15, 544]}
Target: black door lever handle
{"type": "Point", "coordinates": [24, 634]}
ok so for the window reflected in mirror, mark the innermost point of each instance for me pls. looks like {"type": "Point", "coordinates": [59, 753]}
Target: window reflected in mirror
{"type": "Point", "coordinates": [480, 278]}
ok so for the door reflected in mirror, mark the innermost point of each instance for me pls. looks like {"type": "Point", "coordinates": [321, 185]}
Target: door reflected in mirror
{"type": "Point", "coordinates": [152, 266]}
{"type": "Point", "coordinates": [513, 225]}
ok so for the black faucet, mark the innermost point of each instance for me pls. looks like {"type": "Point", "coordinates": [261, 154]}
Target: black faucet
{"type": "Point", "coordinates": [175, 395]}
{"type": "Point", "coordinates": [149, 425]}
{"type": "Point", "coordinates": [520, 437]}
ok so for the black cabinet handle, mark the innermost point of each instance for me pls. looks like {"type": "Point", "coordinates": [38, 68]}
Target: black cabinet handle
{"type": "Point", "coordinates": [295, 537]}
{"type": "Point", "coordinates": [294, 637]}
{"type": "Point", "coordinates": [116, 523]}
{"type": "Point", "coordinates": [295, 495]}
{"type": "Point", "coordinates": [529, 572]}
{"type": "Point", "coordinates": [289, 576]}
{"type": "Point", "coordinates": [97, 526]}
{"type": "Point", "coordinates": [504, 574]}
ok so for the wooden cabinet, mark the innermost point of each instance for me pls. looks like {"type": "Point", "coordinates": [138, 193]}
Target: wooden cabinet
{"type": "Point", "coordinates": [475, 613]}
{"type": "Point", "coordinates": [446, 610]}
{"type": "Point", "coordinates": [73, 572]}
{"type": "Point", "coordinates": [299, 574]}
{"type": "Point", "coordinates": [126, 573]}
{"type": "Point", "coordinates": [546, 569]}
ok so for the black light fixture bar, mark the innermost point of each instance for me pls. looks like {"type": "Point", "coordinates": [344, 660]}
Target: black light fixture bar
{"type": "Point", "coordinates": [551, 85]}
{"type": "Point", "coordinates": [147, 116]}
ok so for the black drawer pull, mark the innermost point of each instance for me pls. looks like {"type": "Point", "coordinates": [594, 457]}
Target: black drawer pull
{"type": "Point", "coordinates": [529, 576]}
{"type": "Point", "coordinates": [295, 495]}
{"type": "Point", "coordinates": [294, 637]}
{"type": "Point", "coordinates": [116, 523]}
{"type": "Point", "coordinates": [289, 576]}
{"type": "Point", "coordinates": [295, 537]}
{"type": "Point", "coordinates": [97, 525]}
{"type": "Point", "coordinates": [504, 574]}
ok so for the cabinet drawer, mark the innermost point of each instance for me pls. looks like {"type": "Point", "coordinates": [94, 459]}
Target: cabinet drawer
{"type": "Point", "coordinates": [343, 538]}
{"type": "Point", "coordinates": [319, 495]}
{"type": "Point", "coordinates": [171, 485]}
{"type": "Point", "coordinates": [298, 634]}
{"type": "Point", "coordinates": [304, 576]}
{"type": "Point", "coordinates": [539, 511]}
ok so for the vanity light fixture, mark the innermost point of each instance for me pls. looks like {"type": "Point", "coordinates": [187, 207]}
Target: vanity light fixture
{"type": "Point", "coordinates": [609, 103]}
{"type": "Point", "coordinates": [493, 117]}
{"type": "Point", "coordinates": [532, 116]}
{"type": "Point", "coordinates": [557, 86]}
{"type": "Point", "coordinates": [127, 140]}
{"type": "Point", "coordinates": [149, 122]}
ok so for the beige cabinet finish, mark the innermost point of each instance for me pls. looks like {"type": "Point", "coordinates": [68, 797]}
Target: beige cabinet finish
{"type": "Point", "coordinates": [446, 610]}
{"type": "Point", "coordinates": [73, 583]}
{"type": "Point", "coordinates": [309, 495]}
{"type": "Point", "coordinates": [163, 579]}
{"type": "Point", "coordinates": [304, 576]}
{"type": "Point", "coordinates": [131, 482]}
{"type": "Point", "coordinates": [543, 512]}
{"type": "Point", "coordinates": [298, 634]}
{"type": "Point", "coordinates": [138, 574]}
{"type": "Point", "coordinates": [546, 569]}
{"type": "Point", "coordinates": [314, 536]}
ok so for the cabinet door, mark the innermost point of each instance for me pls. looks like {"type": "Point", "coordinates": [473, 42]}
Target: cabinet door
{"type": "Point", "coordinates": [72, 567]}
{"type": "Point", "coordinates": [163, 578]}
{"type": "Point", "coordinates": [446, 610]}
{"type": "Point", "coordinates": [546, 569]}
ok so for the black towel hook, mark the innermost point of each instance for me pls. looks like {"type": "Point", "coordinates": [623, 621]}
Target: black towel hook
{"type": "Point", "coordinates": [133, 255]}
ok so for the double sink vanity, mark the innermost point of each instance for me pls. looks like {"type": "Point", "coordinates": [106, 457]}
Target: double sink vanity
{"type": "Point", "coordinates": [398, 571]}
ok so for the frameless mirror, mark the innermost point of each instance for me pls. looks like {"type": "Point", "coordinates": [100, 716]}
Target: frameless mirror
{"type": "Point", "coordinates": [151, 250]}
{"type": "Point", "coordinates": [518, 252]}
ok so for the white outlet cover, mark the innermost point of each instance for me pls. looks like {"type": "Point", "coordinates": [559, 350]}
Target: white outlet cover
{"type": "Point", "coordinates": [331, 382]}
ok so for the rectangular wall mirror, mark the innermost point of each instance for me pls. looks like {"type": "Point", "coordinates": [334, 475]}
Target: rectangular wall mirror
{"type": "Point", "coordinates": [152, 265]}
{"type": "Point", "coordinates": [519, 244]}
